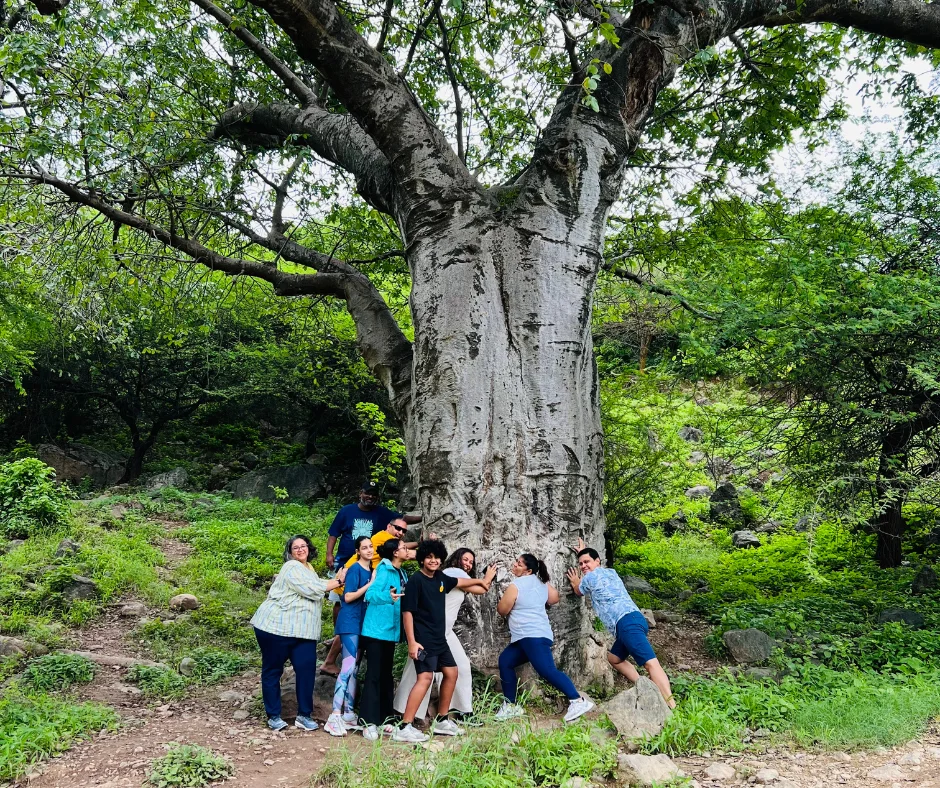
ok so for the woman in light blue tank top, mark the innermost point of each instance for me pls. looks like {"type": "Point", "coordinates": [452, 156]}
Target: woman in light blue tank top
{"type": "Point", "coordinates": [530, 637]}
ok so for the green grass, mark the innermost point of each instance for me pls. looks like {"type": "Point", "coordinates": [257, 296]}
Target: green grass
{"type": "Point", "coordinates": [499, 756]}
{"type": "Point", "coordinates": [39, 726]}
{"type": "Point", "coordinates": [157, 682]}
{"type": "Point", "coordinates": [868, 716]}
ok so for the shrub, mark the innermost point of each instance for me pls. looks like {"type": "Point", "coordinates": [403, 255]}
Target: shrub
{"type": "Point", "coordinates": [158, 682]}
{"type": "Point", "coordinates": [213, 665]}
{"type": "Point", "coordinates": [30, 502]}
{"type": "Point", "coordinates": [39, 726]}
{"type": "Point", "coordinates": [58, 672]}
{"type": "Point", "coordinates": [189, 766]}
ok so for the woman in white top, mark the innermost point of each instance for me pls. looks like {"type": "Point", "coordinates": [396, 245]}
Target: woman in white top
{"type": "Point", "coordinates": [531, 637]}
{"type": "Point", "coordinates": [461, 564]}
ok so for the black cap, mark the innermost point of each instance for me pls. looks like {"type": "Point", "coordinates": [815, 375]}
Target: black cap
{"type": "Point", "coordinates": [371, 488]}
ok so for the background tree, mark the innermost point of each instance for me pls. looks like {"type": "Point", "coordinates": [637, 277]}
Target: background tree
{"type": "Point", "coordinates": [830, 311]}
{"type": "Point", "coordinates": [157, 118]}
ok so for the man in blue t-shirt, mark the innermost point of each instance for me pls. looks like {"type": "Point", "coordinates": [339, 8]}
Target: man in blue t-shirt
{"type": "Point", "coordinates": [363, 518]}
{"type": "Point", "coordinates": [620, 616]}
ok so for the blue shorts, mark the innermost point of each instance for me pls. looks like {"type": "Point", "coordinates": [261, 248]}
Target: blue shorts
{"type": "Point", "coordinates": [632, 640]}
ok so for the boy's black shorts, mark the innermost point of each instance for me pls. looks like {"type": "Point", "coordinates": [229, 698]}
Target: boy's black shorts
{"type": "Point", "coordinates": [432, 663]}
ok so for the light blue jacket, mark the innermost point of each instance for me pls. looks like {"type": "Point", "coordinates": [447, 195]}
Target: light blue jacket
{"type": "Point", "coordinates": [383, 616]}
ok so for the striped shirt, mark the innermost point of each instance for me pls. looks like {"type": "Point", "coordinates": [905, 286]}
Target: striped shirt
{"type": "Point", "coordinates": [294, 602]}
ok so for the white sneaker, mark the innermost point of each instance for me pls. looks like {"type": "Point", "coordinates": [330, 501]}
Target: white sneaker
{"type": "Point", "coordinates": [388, 729]}
{"type": "Point", "coordinates": [351, 721]}
{"type": "Point", "coordinates": [509, 710]}
{"type": "Point", "coordinates": [446, 728]}
{"type": "Point", "coordinates": [577, 707]}
{"type": "Point", "coordinates": [370, 733]}
{"type": "Point", "coordinates": [334, 725]}
{"type": "Point", "coordinates": [409, 734]}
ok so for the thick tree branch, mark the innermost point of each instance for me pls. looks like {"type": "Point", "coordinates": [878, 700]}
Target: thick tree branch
{"type": "Point", "coordinates": [336, 138]}
{"type": "Point", "coordinates": [913, 21]}
{"type": "Point", "coordinates": [367, 85]}
{"type": "Point", "coordinates": [384, 347]}
{"type": "Point", "coordinates": [291, 81]}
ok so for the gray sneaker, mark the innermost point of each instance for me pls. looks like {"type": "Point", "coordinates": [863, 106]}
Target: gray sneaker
{"type": "Point", "coordinates": [306, 723]}
{"type": "Point", "coordinates": [276, 723]}
{"type": "Point", "coordinates": [409, 734]}
{"type": "Point", "coordinates": [446, 728]}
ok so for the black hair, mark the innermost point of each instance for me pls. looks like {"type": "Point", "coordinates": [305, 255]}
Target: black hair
{"type": "Point", "coordinates": [388, 547]}
{"type": "Point", "coordinates": [429, 547]}
{"type": "Point", "coordinates": [311, 550]}
{"type": "Point", "coordinates": [596, 556]}
{"type": "Point", "coordinates": [360, 540]}
{"type": "Point", "coordinates": [454, 561]}
{"type": "Point", "coordinates": [535, 566]}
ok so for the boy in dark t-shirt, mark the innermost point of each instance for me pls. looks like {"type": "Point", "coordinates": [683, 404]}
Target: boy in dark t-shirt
{"type": "Point", "coordinates": [426, 629]}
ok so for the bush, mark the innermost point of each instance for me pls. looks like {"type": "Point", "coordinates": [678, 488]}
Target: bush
{"type": "Point", "coordinates": [30, 502]}
{"type": "Point", "coordinates": [58, 672]}
{"type": "Point", "coordinates": [214, 665]}
{"type": "Point", "coordinates": [36, 727]}
{"type": "Point", "coordinates": [189, 766]}
{"type": "Point", "coordinates": [158, 682]}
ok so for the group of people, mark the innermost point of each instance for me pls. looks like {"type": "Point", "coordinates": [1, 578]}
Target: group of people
{"type": "Point", "coordinates": [375, 602]}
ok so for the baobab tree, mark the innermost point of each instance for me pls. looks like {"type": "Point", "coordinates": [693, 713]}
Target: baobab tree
{"type": "Point", "coordinates": [494, 136]}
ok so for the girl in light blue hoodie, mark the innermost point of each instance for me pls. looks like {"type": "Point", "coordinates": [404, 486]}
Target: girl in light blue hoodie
{"type": "Point", "coordinates": [381, 629]}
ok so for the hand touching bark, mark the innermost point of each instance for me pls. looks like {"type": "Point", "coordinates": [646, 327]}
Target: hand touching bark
{"type": "Point", "coordinates": [574, 577]}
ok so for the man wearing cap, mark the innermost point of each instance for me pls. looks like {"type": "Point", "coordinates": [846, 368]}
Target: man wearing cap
{"type": "Point", "coordinates": [363, 518]}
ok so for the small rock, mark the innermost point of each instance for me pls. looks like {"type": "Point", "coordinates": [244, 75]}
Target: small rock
{"type": "Point", "coordinates": [647, 770]}
{"type": "Point", "coordinates": [232, 696]}
{"type": "Point", "coordinates": [184, 602]}
{"type": "Point", "coordinates": [187, 666]}
{"type": "Point", "coordinates": [14, 647]}
{"type": "Point", "coordinates": [133, 610]}
{"type": "Point", "coordinates": [720, 772]}
{"type": "Point", "coordinates": [241, 714]}
{"type": "Point", "coordinates": [934, 753]}
{"type": "Point", "coordinates": [67, 547]}
{"type": "Point", "coordinates": [638, 711]}
{"type": "Point", "coordinates": [697, 456]}
{"type": "Point", "coordinates": [724, 505]}
{"type": "Point", "coordinates": [911, 759]}
{"type": "Point", "coordinates": [667, 616]}
{"type": "Point", "coordinates": [691, 434]}
{"type": "Point", "coordinates": [761, 674]}
{"type": "Point", "coordinates": [650, 618]}
{"type": "Point", "coordinates": [12, 545]}
{"type": "Point", "coordinates": [766, 776]}
{"type": "Point", "coordinates": [700, 491]}
{"type": "Point", "coordinates": [887, 774]}
{"type": "Point", "coordinates": [745, 539]}
{"type": "Point", "coordinates": [80, 588]}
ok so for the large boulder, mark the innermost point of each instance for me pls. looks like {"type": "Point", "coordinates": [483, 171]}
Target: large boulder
{"type": "Point", "coordinates": [926, 580]}
{"type": "Point", "coordinates": [749, 646]}
{"type": "Point", "coordinates": [699, 491]}
{"type": "Point", "coordinates": [67, 547]}
{"type": "Point", "coordinates": [724, 505]}
{"type": "Point", "coordinates": [637, 585]}
{"type": "Point", "coordinates": [14, 647]}
{"type": "Point", "coordinates": [719, 467]}
{"type": "Point", "coordinates": [638, 711]}
{"type": "Point", "coordinates": [76, 462]}
{"type": "Point", "coordinates": [744, 539]}
{"type": "Point", "coordinates": [302, 482]}
{"type": "Point", "coordinates": [645, 771]}
{"type": "Point", "coordinates": [178, 478]}
{"type": "Point", "coordinates": [898, 614]}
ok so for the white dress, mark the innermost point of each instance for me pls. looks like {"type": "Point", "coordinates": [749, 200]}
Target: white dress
{"type": "Point", "coordinates": [463, 693]}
